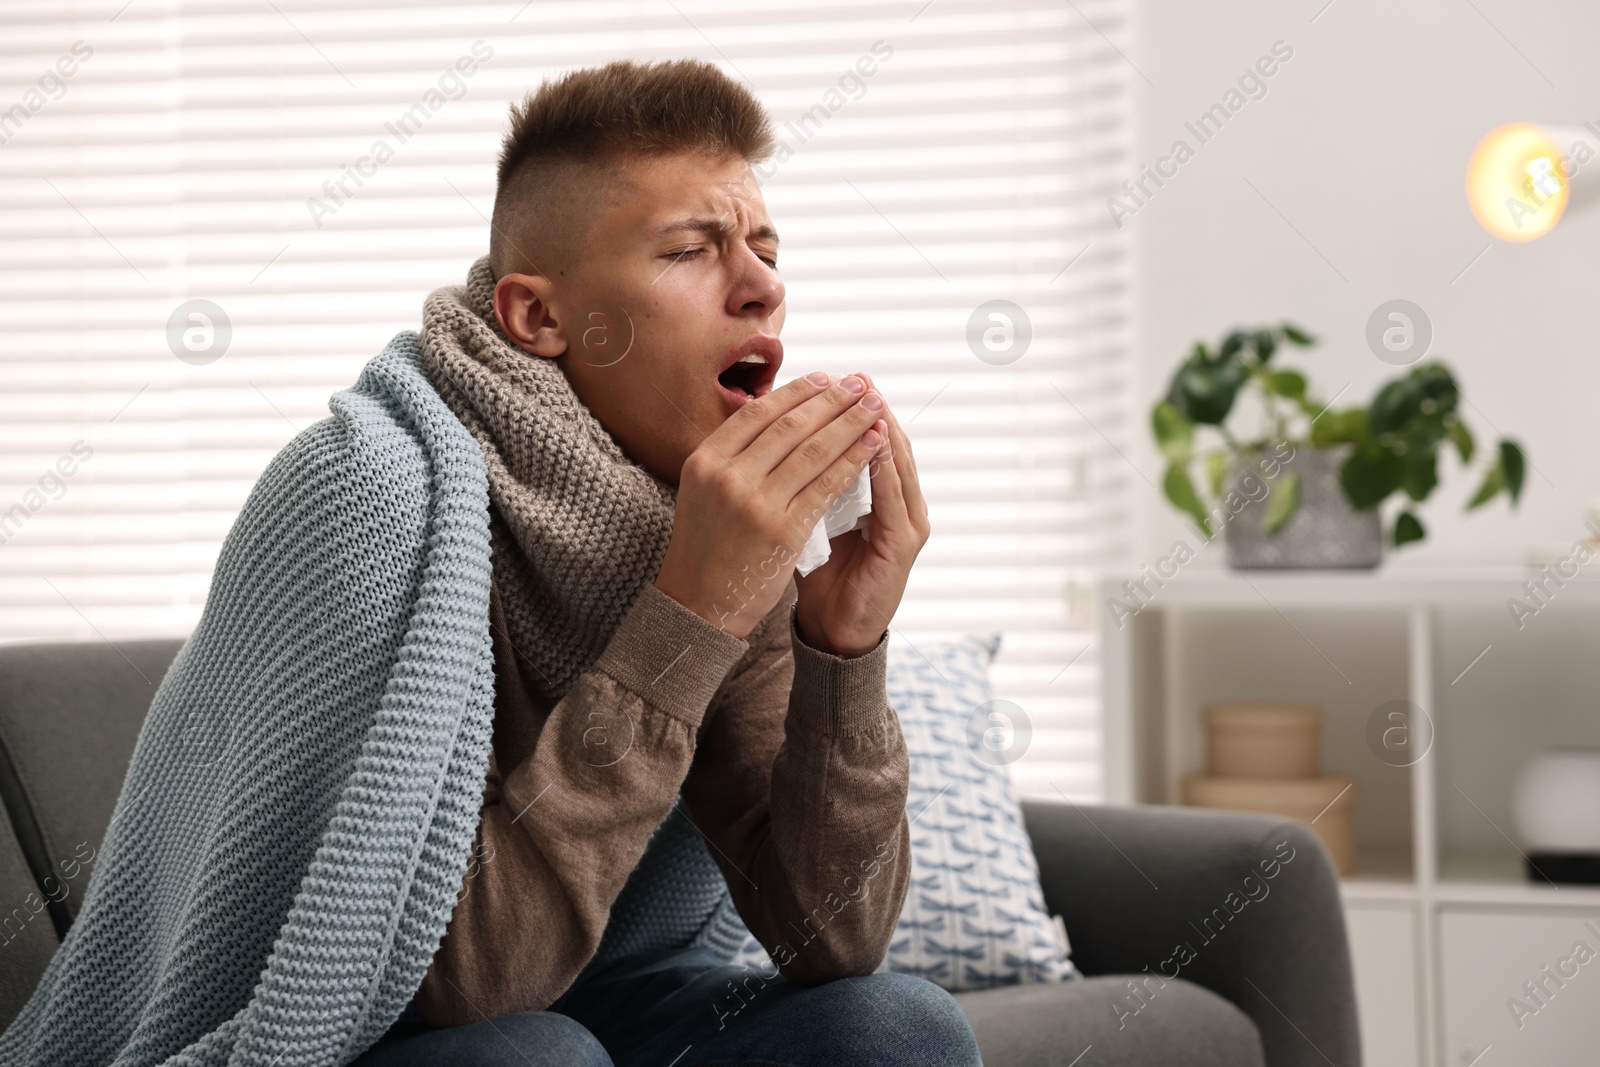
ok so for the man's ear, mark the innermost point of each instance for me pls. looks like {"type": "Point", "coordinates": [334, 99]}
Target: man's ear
{"type": "Point", "coordinates": [522, 307]}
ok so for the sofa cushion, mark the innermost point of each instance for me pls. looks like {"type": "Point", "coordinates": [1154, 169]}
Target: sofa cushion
{"type": "Point", "coordinates": [1176, 1024]}
{"type": "Point", "coordinates": [974, 915]}
{"type": "Point", "coordinates": [27, 938]}
{"type": "Point", "coordinates": [70, 713]}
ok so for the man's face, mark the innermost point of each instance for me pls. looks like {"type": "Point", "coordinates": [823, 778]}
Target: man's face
{"type": "Point", "coordinates": [677, 281]}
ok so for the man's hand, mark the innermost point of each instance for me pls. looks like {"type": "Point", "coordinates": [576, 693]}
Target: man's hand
{"type": "Point", "coordinates": [846, 604]}
{"type": "Point", "coordinates": [750, 495]}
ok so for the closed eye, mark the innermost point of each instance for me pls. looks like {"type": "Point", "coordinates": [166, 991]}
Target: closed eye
{"type": "Point", "coordinates": [688, 253]}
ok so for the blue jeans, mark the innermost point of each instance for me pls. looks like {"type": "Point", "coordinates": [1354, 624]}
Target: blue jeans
{"type": "Point", "coordinates": [689, 1009]}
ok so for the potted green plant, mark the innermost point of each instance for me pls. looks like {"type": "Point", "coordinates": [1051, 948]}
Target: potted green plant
{"type": "Point", "coordinates": [1305, 489]}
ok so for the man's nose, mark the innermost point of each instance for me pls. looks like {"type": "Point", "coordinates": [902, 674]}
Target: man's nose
{"type": "Point", "coordinates": [761, 286]}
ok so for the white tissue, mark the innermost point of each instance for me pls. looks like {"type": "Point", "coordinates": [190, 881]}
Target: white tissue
{"type": "Point", "coordinates": [851, 510]}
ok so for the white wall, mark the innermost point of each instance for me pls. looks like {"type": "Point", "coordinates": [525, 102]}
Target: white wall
{"type": "Point", "coordinates": [1362, 142]}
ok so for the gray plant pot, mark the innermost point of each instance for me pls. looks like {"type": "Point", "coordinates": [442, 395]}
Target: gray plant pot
{"type": "Point", "coordinates": [1325, 532]}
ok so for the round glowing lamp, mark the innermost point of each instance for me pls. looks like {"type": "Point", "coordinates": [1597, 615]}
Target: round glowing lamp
{"type": "Point", "coordinates": [1516, 184]}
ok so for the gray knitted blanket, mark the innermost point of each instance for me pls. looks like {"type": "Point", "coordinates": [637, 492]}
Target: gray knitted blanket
{"type": "Point", "coordinates": [297, 816]}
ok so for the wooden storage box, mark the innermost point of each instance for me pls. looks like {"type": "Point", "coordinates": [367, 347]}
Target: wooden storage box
{"type": "Point", "coordinates": [1263, 740]}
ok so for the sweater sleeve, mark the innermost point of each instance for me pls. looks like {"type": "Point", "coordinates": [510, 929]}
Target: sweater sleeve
{"type": "Point", "coordinates": [800, 785]}
{"type": "Point", "coordinates": [563, 828]}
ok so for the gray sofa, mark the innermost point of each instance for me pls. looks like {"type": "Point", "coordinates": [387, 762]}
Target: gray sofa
{"type": "Point", "coordinates": [1266, 978]}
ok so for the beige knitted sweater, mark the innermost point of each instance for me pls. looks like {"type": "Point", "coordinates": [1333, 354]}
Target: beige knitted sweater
{"type": "Point", "coordinates": [611, 698]}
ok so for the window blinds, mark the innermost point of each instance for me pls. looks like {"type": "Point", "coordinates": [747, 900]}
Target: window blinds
{"type": "Point", "coordinates": [216, 211]}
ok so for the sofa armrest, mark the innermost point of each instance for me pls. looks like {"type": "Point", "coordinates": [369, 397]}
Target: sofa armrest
{"type": "Point", "coordinates": [1247, 906]}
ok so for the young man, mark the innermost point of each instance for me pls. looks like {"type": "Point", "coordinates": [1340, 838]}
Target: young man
{"type": "Point", "coordinates": [683, 726]}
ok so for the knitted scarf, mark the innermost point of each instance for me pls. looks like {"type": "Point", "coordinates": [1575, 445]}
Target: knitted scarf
{"type": "Point", "coordinates": [579, 527]}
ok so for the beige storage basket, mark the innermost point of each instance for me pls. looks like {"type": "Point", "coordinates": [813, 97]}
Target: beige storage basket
{"type": "Point", "coordinates": [1263, 740]}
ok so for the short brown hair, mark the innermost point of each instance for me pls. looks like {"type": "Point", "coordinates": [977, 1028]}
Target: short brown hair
{"type": "Point", "coordinates": [573, 136]}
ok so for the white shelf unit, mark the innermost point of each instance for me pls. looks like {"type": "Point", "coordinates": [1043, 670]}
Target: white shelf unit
{"type": "Point", "coordinates": [1445, 927]}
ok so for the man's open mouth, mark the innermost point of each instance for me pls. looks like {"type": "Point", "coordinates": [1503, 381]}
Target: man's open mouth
{"type": "Point", "coordinates": [750, 373]}
{"type": "Point", "coordinates": [748, 376]}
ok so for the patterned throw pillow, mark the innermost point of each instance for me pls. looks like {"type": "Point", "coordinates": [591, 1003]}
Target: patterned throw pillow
{"type": "Point", "coordinates": [974, 915]}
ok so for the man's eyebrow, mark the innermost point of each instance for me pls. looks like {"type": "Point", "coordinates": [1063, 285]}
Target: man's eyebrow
{"type": "Point", "coordinates": [713, 226]}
